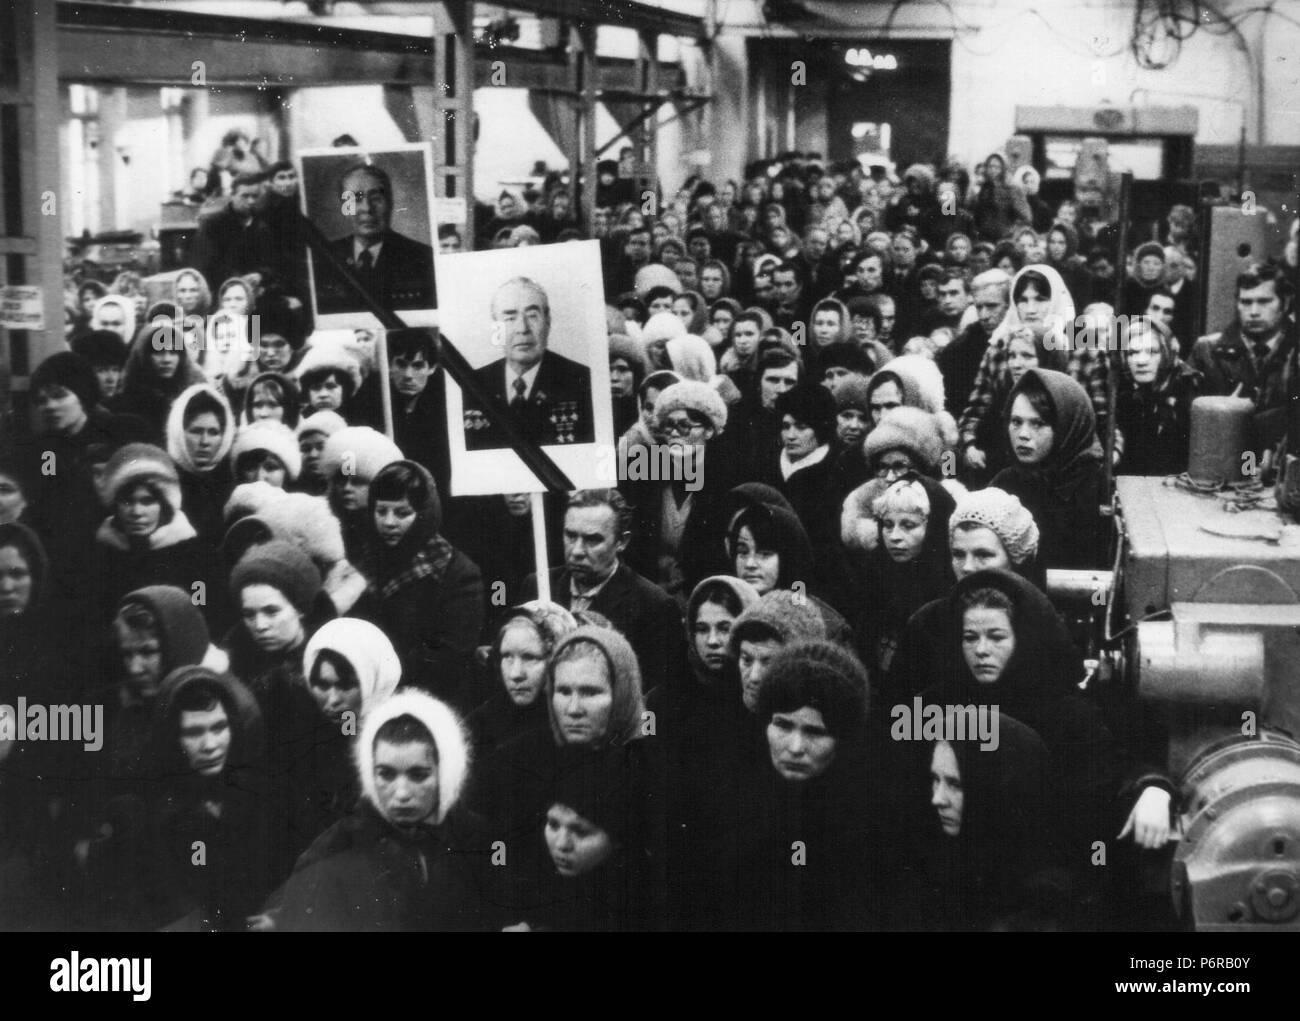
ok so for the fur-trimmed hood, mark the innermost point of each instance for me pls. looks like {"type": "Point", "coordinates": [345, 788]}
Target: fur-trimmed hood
{"type": "Point", "coordinates": [448, 737]}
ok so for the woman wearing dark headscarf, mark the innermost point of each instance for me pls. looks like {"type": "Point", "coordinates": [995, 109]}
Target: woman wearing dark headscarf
{"type": "Point", "coordinates": [1059, 475]}
{"type": "Point", "coordinates": [768, 547]}
{"type": "Point", "coordinates": [1003, 643]}
{"type": "Point", "coordinates": [705, 729]}
{"type": "Point", "coordinates": [428, 596]}
{"type": "Point", "coordinates": [1153, 405]}
{"type": "Point", "coordinates": [209, 747]}
{"type": "Point", "coordinates": [987, 857]}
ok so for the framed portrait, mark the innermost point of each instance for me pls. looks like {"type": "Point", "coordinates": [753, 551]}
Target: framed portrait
{"type": "Point", "coordinates": [377, 210]}
{"type": "Point", "coordinates": [531, 323]}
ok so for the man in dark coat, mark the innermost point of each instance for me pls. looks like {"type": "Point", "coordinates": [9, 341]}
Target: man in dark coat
{"type": "Point", "coordinates": [236, 240]}
{"type": "Point", "coordinates": [960, 361]}
{"type": "Point", "coordinates": [597, 528]}
{"type": "Point", "coordinates": [548, 393]}
{"type": "Point", "coordinates": [397, 270]}
{"type": "Point", "coordinates": [1255, 356]}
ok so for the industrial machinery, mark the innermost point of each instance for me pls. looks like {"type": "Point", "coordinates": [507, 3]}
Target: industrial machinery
{"type": "Point", "coordinates": [1206, 629]}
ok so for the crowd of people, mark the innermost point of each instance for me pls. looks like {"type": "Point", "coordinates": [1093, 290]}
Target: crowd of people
{"type": "Point", "coordinates": [332, 698]}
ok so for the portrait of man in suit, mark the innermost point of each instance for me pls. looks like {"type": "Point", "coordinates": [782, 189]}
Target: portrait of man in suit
{"type": "Point", "coordinates": [396, 269]}
{"type": "Point", "coordinates": [550, 395]}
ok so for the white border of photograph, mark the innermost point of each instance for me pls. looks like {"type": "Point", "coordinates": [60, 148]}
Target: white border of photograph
{"type": "Point", "coordinates": [353, 320]}
{"type": "Point", "coordinates": [570, 273]}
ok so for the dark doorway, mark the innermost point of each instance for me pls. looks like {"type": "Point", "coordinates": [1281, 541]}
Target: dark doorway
{"type": "Point", "coordinates": [888, 97]}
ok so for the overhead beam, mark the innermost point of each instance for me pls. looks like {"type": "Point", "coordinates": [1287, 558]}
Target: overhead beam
{"type": "Point", "coordinates": [623, 13]}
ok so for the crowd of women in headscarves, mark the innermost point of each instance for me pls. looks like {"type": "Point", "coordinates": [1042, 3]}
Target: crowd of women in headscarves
{"type": "Point", "coordinates": [329, 704]}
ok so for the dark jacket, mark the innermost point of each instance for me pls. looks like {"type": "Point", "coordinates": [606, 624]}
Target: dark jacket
{"type": "Point", "coordinates": [1156, 419]}
{"type": "Point", "coordinates": [1226, 362]}
{"type": "Point", "coordinates": [401, 278]}
{"type": "Point", "coordinates": [558, 408]}
{"type": "Point", "coordinates": [226, 247]}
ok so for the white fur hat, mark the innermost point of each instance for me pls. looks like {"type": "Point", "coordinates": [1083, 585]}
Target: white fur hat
{"type": "Point", "coordinates": [367, 451]}
{"type": "Point", "coordinates": [448, 737]}
{"type": "Point", "coordinates": [327, 422]}
{"type": "Point", "coordinates": [273, 437]}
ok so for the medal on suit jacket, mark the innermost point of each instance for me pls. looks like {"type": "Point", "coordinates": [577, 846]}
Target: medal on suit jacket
{"type": "Point", "coordinates": [564, 416]}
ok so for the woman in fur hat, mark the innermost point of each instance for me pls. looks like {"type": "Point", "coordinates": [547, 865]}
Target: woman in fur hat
{"type": "Point", "coordinates": [903, 564]}
{"type": "Point", "coordinates": [517, 662]}
{"type": "Point", "coordinates": [407, 858]}
{"type": "Point", "coordinates": [200, 433]}
{"type": "Point", "coordinates": [266, 451]}
{"type": "Point", "coordinates": [1153, 408]}
{"type": "Point", "coordinates": [328, 378]}
{"type": "Point", "coordinates": [362, 451]}
{"type": "Point", "coordinates": [426, 594]}
{"type": "Point", "coordinates": [312, 432]}
{"type": "Point", "coordinates": [209, 745]}
{"type": "Point", "coordinates": [680, 520]}
{"type": "Point", "coordinates": [146, 539]}
{"type": "Point", "coordinates": [1059, 474]}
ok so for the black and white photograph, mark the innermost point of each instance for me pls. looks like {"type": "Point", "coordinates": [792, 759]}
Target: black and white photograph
{"type": "Point", "coordinates": [650, 466]}
{"type": "Point", "coordinates": [376, 209]}
{"type": "Point", "coordinates": [532, 325]}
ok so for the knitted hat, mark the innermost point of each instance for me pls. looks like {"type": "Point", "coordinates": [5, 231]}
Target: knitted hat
{"type": "Point", "coordinates": [596, 786]}
{"type": "Point", "coordinates": [908, 429]}
{"type": "Point", "coordinates": [281, 565]}
{"type": "Point", "coordinates": [628, 707]}
{"type": "Point", "coordinates": [1149, 248]}
{"type": "Point", "coordinates": [820, 675]}
{"type": "Point", "coordinates": [101, 347]}
{"type": "Point", "coordinates": [141, 463]}
{"type": "Point", "coordinates": [854, 393]}
{"type": "Point", "coordinates": [71, 372]}
{"type": "Point", "coordinates": [359, 448]}
{"type": "Point", "coordinates": [274, 438]}
{"type": "Point", "coordinates": [1004, 515]}
{"type": "Point", "coordinates": [327, 422]}
{"type": "Point", "coordinates": [790, 616]}
{"type": "Point", "coordinates": [693, 396]}
{"type": "Point", "coordinates": [550, 620]}
{"type": "Point", "coordinates": [363, 645]}
{"type": "Point", "coordinates": [811, 404]}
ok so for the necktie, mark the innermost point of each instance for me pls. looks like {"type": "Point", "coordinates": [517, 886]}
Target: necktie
{"type": "Point", "coordinates": [517, 401]}
{"type": "Point", "coordinates": [365, 261]}
{"type": "Point", "coordinates": [1261, 351]}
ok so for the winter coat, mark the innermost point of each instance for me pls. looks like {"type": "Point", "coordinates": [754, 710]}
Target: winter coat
{"type": "Point", "coordinates": [1064, 491]}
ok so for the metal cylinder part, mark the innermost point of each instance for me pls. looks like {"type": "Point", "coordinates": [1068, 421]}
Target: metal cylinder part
{"type": "Point", "coordinates": [1194, 664]}
{"type": "Point", "coordinates": [1238, 864]}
